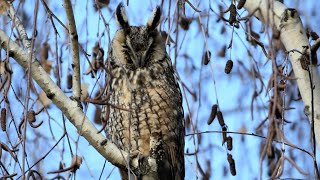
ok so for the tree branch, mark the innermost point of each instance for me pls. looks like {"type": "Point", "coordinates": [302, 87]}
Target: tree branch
{"type": "Point", "coordinates": [73, 35]}
{"type": "Point", "coordinates": [293, 36]}
{"type": "Point", "coordinates": [17, 23]}
{"type": "Point", "coordinates": [69, 107]}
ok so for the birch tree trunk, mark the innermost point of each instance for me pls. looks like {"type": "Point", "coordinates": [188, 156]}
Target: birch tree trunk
{"type": "Point", "coordinates": [294, 38]}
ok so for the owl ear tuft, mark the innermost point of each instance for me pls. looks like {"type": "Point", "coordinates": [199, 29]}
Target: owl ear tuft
{"type": "Point", "coordinates": [121, 17]}
{"type": "Point", "coordinates": [154, 20]}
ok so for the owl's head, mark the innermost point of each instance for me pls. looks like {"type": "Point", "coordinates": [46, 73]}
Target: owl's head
{"type": "Point", "coordinates": [137, 46]}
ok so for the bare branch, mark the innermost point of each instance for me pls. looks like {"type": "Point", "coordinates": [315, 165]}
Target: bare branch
{"type": "Point", "coordinates": [17, 23]}
{"type": "Point", "coordinates": [69, 107]}
{"type": "Point", "coordinates": [293, 36]}
{"type": "Point", "coordinates": [73, 35]}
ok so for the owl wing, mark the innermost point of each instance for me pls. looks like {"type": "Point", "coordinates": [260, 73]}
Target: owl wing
{"type": "Point", "coordinates": [167, 103]}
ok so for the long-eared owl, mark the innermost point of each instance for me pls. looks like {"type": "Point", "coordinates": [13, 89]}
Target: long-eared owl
{"type": "Point", "coordinates": [144, 95]}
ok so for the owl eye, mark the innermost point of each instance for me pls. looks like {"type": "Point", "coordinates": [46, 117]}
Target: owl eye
{"type": "Point", "coordinates": [126, 50]}
{"type": "Point", "coordinates": [129, 61]}
{"type": "Point", "coordinates": [126, 47]}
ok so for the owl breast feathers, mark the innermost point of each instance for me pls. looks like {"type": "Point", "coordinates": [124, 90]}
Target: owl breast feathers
{"type": "Point", "coordinates": [145, 94]}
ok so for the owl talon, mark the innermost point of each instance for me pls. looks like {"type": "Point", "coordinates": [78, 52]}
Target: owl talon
{"type": "Point", "coordinates": [134, 154]}
{"type": "Point", "coordinates": [137, 154]}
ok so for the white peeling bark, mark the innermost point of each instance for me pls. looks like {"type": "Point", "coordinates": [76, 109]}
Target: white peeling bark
{"type": "Point", "coordinates": [294, 38]}
{"type": "Point", "coordinates": [20, 28]}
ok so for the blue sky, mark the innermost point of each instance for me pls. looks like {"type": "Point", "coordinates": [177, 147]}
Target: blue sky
{"type": "Point", "coordinates": [233, 92]}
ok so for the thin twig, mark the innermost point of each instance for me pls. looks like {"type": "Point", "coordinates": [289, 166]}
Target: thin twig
{"type": "Point", "coordinates": [73, 35]}
{"type": "Point", "coordinates": [255, 135]}
{"type": "Point", "coordinates": [43, 157]}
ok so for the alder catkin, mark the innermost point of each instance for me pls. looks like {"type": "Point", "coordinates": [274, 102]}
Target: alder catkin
{"type": "Point", "coordinates": [220, 118]}
{"type": "Point", "coordinates": [228, 67]}
{"type": "Point", "coordinates": [213, 113]}
{"type": "Point", "coordinates": [3, 119]}
{"type": "Point", "coordinates": [232, 165]}
{"type": "Point", "coordinates": [229, 143]}
{"type": "Point", "coordinates": [206, 57]}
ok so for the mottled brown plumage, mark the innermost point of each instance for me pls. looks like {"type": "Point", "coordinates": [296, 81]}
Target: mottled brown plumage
{"type": "Point", "coordinates": [143, 84]}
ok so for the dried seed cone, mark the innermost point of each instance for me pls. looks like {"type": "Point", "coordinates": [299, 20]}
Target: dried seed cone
{"type": "Point", "coordinates": [31, 116]}
{"type": "Point", "coordinates": [228, 67]}
{"type": "Point", "coordinates": [206, 57]}
{"type": "Point", "coordinates": [220, 118]}
{"type": "Point", "coordinates": [213, 113]}
{"type": "Point", "coordinates": [69, 81]}
{"type": "Point", "coordinates": [229, 143]}
{"type": "Point", "coordinates": [232, 165]}
{"type": "Point", "coordinates": [3, 119]}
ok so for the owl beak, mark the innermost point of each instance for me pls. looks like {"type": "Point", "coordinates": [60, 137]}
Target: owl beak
{"type": "Point", "coordinates": [139, 60]}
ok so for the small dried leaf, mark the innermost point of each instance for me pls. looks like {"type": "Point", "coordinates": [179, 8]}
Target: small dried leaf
{"type": "Point", "coordinates": [233, 16]}
{"type": "Point", "coordinates": [243, 129]}
{"type": "Point", "coordinates": [100, 56]}
{"type": "Point", "coordinates": [76, 162]}
{"type": "Point", "coordinates": [95, 49]}
{"type": "Point", "coordinates": [6, 148]}
{"type": "Point", "coordinates": [69, 81]}
{"type": "Point", "coordinates": [84, 91]}
{"type": "Point", "coordinates": [47, 65]}
{"type": "Point", "coordinates": [97, 65]}
{"type": "Point", "coordinates": [222, 51]}
{"type": "Point", "coordinates": [44, 51]}
{"type": "Point", "coordinates": [184, 23]}
{"type": "Point", "coordinates": [31, 116]}
{"type": "Point", "coordinates": [97, 117]}
{"type": "Point", "coordinates": [164, 36]}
